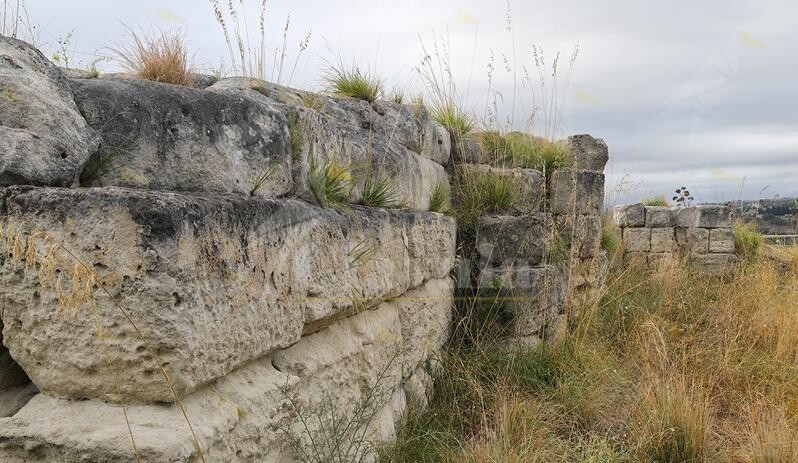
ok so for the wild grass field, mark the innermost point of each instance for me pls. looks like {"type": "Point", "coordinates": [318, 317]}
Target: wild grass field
{"type": "Point", "coordinates": [670, 365]}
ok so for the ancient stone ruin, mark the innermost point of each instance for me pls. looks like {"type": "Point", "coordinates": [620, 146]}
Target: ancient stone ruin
{"type": "Point", "coordinates": [175, 285]}
{"type": "Point", "coordinates": [702, 234]}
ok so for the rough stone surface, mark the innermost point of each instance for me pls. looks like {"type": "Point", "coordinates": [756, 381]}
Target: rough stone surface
{"type": "Point", "coordinates": [688, 217]}
{"type": "Point", "coordinates": [693, 240]}
{"type": "Point", "coordinates": [212, 281]}
{"type": "Point", "coordinates": [637, 239]}
{"type": "Point", "coordinates": [714, 217]}
{"type": "Point", "coordinates": [713, 263]}
{"type": "Point", "coordinates": [513, 240]}
{"type": "Point", "coordinates": [528, 182]}
{"type": "Point", "coordinates": [587, 152]}
{"type": "Point", "coordinates": [721, 240]}
{"type": "Point", "coordinates": [662, 240]}
{"type": "Point", "coordinates": [659, 216]}
{"type": "Point", "coordinates": [532, 296]}
{"type": "Point", "coordinates": [353, 135]}
{"type": "Point", "coordinates": [631, 215]}
{"type": "Point", "coordinates": [240, 417]}
{"type": "Point", "coordinates": [169, 137]}
{"type": "Point", "coordinates": [581, 233]}
{"type": "Point", "coordinates": [576, 191]}
{"type": "Point", "coordinates": [43, 138]}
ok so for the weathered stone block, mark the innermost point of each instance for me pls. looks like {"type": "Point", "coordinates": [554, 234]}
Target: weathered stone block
{"type": "Point", "coordinates": [355, 136]}
{"type": "Point", "coordinates": [533, 296]}
{"type": "Point", "coordinates": [688, 217]}
{"type": "Point", "coordinates": [581, 233]}
{"type": "Point", "coordinates": [212, 281]}
{"type": "Point", "coordinates": [662, 240]}
{"type": "Point", "coordinates": [714, 217]}
{"type": "Point", "coordinates": [721, 240]}
{"type": "Point", "coordinates": [587, 152]}
{"type": "Point", "coordinates": [169, 137]}
{"type": "Point", "coordinates": [243, 414]}
{"type": "Point", "coordinates": [659, 216]}
{"type": "Point", "coordinates": [713, 263]}
{"type": "Point", "coordinates": [693, 240]}
{"type": "Point", "coordinates": [43, 138]}
{"type": "Point", "coordinates": [513, 240]}
{"type": "Point", "coordinates": [412, 127]}
{"type": "Point", "coordinates": [527, 182]}
{"type": "Point", "coordinates": [576, 191]}
{"type": "Point", "coordinates": [637, 239]}
{"type": "Point", "coordinates": [631, 215]}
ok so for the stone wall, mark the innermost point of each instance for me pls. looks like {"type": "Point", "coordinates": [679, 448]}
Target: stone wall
{"type": "Point", "coordinates": [543, 258]}
{"type": "Point", "coordinates": [152, 230]}
{"type": "Point", "coordinates": [172, 288]}
{"type": "Point", "coordinates": [701, 234]}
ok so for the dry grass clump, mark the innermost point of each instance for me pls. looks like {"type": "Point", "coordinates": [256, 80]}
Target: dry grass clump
{"type": "Point", "coordinates": [747, 239]}
{"type": "Point", "coordinates": [656, 201]}
{"type": "Point", "coordinates": [671, 366]}
{"type": "Point", "coordinates": [160, 58]}
{"type": "Point", "coordinates": [351, 82]}
{"type": "Point", "coordinates": [517, 149]}
{"type": "Point", "coordinates": [454, 119]}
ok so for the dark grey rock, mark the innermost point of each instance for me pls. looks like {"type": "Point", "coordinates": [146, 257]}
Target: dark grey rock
{"type": "Point", "coordinates": [714, 216]}
{"type": "Point", "coordinates": [631, 215]}
{"type": "Point", "coordinates": [576, 192]}
{"type": "Point", "coordinates": [513, 240]}
{"type": "Point", "coordinates": [43, 138]}
{"type": "Point", "coordinates": [159, 136]}
{"type": "Point", "coordinates": [588, 153]}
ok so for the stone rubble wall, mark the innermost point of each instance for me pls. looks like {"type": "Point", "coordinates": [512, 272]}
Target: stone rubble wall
{"type": "Point", "coordinates": [543, 258]}
{"type": "Point", "coordinates": [149, 230]}
{"type": "Point", "coordinates": [701, 234]}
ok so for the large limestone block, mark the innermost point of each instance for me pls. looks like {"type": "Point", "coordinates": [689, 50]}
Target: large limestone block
{"type": "Point", "coordinates": [637, 239]}
{"type": "Point", "coordinates": [363, 363]}
{"type": "Point", "coordinates": [167, 137]}
{"type": "Point", "coordinates": [630, 215]}
{"type": "Point", "coordinates": [352, 135]}
{"type": "Point", "coordinates": [587, 152]}
{"type": "Point", "coordinates": [211, 281]}
{"type": "Point", "coordinates": [412, 126]}
{"type": "Point", "coordinates": [721, 240]}
{"type": "Point", "coordinates": [43, 138]}
{"type": "Point", "coordinates": [659, 216]}
{"type": "Point", "coordinates": [693, 240]}
{"type": "Point", "coordinates": [663, 240]}
{"type": "Point", "coordinates": [714, 216]}
{"type": "Point", "coordinates": [688, 217]}
{"type": "Point", "coordinates": [576, 191]}
{"type": "Point", "coordinates": [528, 184]}
{"type": "Point", "coordinates": [513, 240]}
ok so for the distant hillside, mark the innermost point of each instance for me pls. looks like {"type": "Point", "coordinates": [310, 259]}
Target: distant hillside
{"type": "Point", "coordinates": [777, 216]}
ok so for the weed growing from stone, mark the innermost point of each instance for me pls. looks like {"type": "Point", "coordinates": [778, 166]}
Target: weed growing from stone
{"type": "Point", "coordinates": [454, 119]}
{"type": "Point", "coordinates": [747, 239]}
{"type": "Point", "coordinates": [329, 183]}
{"type": "Point", "coordinates": [655, 201]}
{"type": "Point", "coordinates": [379, 191]}
{"type": "Point", "coordinates": [161, 58]}
{"type": "Point", "coordinates": [352, 82]}
{"type": "Point", "coordinates": [439, 198]}
{"type": "Point", "coordinates": [518, 149]}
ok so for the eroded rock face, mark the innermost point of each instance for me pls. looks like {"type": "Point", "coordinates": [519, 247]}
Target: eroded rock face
{"type": "Point", "coordinates": [576, 192]}
{"type": "Point", "coordinates": [587, 152]}
{"type": "Point", "coordinates": [240, 417]}
{"type": "Point", "coordinates": [168, 137]}
{"type": "Point", "coordinates": [212, 281]}
{"type": "Point", "coordinates": [368, 140]}
{"type": "Point", "coordinates": [43, 138]}
{"type": "Point", "coordinates": [513, 240]}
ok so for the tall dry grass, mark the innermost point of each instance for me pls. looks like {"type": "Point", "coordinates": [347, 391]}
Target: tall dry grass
{"type": "Point", "coordinates": [671, 366]}
{"type": "Point", "coordinates": [162, 57]}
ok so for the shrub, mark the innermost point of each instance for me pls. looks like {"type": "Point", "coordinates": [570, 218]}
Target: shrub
{"type": "Point", "coordinates": [379, 191]}
{"type": "Point", "coordinates": [747, 239]}
{"type": "Point", "coordinates": [161, 58]}
{"type": "Point", "coordinates": [439, 198]}
{"type": "Point", "coordinates": [329, 183]}
{"type": "Point", "coordinates": [518, 149]}
{"type": "Point", "coordinates": [351, 82]}
{"type": "Point", "coordinates": [655, 201]}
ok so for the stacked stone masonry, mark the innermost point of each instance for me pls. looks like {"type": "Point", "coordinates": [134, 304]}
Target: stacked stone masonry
{"type": "Point", "coordinates": [151, 230]}
{"type": "Point", "coordinates": [543, 257]}
{"type": "Point", "coordinates": [701, 234]}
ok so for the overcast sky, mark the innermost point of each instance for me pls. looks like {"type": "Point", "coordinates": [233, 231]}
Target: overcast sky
{"type": "Point", "coordinates": [686, 93]}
